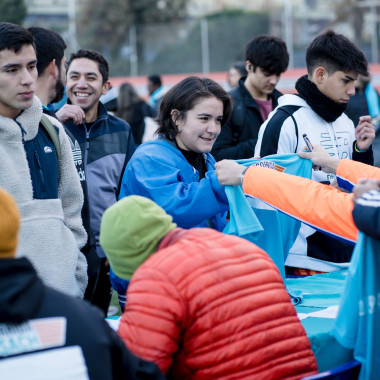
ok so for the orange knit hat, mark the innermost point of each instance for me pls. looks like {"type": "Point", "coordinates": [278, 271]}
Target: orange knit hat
{"type": "Point", "coordinates": [9, 225]}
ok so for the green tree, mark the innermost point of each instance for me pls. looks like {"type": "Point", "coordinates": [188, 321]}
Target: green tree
{"type": "Point", "coordinates": [349, 11]}
{"type": "Point", "coordinates": [228, 33]}
{"type": "Point", "coordinates": [13, 11]}
{"type": "Point", "coordinates": [104, 25]}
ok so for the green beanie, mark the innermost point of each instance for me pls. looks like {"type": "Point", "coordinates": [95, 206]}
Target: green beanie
{"type": "Point", "coordinates": [130, 232]}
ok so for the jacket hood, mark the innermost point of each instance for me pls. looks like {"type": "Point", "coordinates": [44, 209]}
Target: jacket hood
{"type": "Point", "coordinates": [130, 232]}
{"type": "Point", "coordinates": [21, 290]}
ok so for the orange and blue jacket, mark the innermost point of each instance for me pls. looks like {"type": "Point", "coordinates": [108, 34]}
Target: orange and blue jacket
{"type": "Point", "coordinates": [322, 207]}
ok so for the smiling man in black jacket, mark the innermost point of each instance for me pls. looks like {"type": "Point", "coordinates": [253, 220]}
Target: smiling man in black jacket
{"type": "Point", "coordinates": [106, 143]}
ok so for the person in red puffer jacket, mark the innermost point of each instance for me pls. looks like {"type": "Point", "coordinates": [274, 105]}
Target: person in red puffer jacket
{"type": "Point", "coordinates": [201, 304]}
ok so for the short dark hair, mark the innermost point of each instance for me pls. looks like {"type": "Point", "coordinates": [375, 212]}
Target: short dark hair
{"type": "Point", "coordinates": [49, 45]}
{"type": "Point", "coordinates": [13, 37]}
{"type": "Point", "coordinates": [184, 96]}
{"type": "Point", "coordinates": [269, 53]}
{"type": "Point", "coordinates": [155, 79]}
{"type": "Point", "coordinates": [93, 56]}
{"type": "Point", "coordinates": [335, 52]}
{"type": "Point", "coordinates": [240, 67]}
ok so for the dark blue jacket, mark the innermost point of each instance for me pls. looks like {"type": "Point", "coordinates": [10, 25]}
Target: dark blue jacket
{"type": "Point", "coordinates": [43, 163]}
{"type": "Point", "coordinates": [366, 214]}
{"type": "Point", "coordinates": [107, 145]}
{"type": "Point", "coordinates": [238, 136]}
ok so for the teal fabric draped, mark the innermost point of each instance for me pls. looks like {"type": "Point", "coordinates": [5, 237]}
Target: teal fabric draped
{"type": "Point", "coordinates": [358, 322]}
{"type": "Point", "coordinates": [260, 223]}
{"type": "Point", "coordinates": [372, 100]}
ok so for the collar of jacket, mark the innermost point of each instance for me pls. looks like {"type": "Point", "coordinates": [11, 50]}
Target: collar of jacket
{"type": "Point", "coordinates": [174, 144]}
{"type": "Point", "coordinates": [27, 123]}
{"type": "Point", "coordinates": [102, 111]}
{"type": "Point", "coordinates": [322, 105]}
{"type": "Point", "coordinates": [172, 237]}
{"type": "Point", "coordinates": [248, 100]}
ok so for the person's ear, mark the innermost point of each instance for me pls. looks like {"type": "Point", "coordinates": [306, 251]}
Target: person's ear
{"type": "Point", "coordinates": [320, 74]}
{"type": "Point", "coordinates": [53, 69]}
{"type": "Point", "coordinates": [175, 114]}
{"type": "Point", "coordinates": [106, 86]}
{"type": "Point", "coordinates": [248, 65]}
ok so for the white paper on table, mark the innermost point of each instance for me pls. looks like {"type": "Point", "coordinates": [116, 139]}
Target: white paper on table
{"type": "Point", "coordinates": [329, 312]}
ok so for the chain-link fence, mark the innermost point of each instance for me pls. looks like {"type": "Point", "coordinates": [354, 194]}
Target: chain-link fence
{"type": "Point", "coordinates": [212, 43]}
{"type": "Point", "coordinates": [191, 46]}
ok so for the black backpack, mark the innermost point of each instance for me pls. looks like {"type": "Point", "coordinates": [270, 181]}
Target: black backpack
{"type": "Point", "coordinates": [52, 132]}
{"type": "Point", "coordinates": [274, 125]}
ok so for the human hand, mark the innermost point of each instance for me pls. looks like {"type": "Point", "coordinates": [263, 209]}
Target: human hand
{"type": "Point", "coordinates": [229, 172]}
{"type": "Point", "coordinates": [364, 133]}
{"type": "Point", "coordinates": [70, 112]}
{"type": "Point", "coordinates": [320, 159]}
{"type": "Point", "coordinates": [364, 185]}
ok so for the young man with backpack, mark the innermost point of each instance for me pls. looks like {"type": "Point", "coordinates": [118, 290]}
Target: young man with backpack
{"type": "Point", "coordinates": [46, 188]}
{"type": "Point", "coordinates": [254, 97]}
{"type": "Point", "coordinates": [333, 64]}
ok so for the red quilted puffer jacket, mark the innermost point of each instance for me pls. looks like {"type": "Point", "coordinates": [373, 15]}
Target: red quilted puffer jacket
{"type": "Point", "coordinates": [212, 306]}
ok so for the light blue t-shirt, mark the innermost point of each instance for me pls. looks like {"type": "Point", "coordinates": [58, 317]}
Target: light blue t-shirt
{"type": "Point", "coordinates": [260, 223]}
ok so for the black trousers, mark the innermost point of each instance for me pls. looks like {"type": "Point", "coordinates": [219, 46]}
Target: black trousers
{"type": "Point", "coordinates": [99, 289]}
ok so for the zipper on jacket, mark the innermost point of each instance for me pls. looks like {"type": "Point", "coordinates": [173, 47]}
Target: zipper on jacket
{"type": "Point", "coordinates": [37, 159]}
{"type": "Point", "coordinates": [87, 144]}
{"type": "Point", "coordinates": [23, 131]}
{"type": "Point", "coordinates": [86, 151]}
{"type": "Point", "coordinates": [87, 140]}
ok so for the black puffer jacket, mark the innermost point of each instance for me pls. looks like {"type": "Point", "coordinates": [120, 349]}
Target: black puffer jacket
{"type": "Point", "coordinates": [238, 136]}
{"type": "Point", "coordinates": [24, 298]}
{"type": "Point", "coordinates": [366, 214]}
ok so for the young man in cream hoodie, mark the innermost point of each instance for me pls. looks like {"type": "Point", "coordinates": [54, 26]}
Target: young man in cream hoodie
{"type": "Point", "coordinates": [46, 187]}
